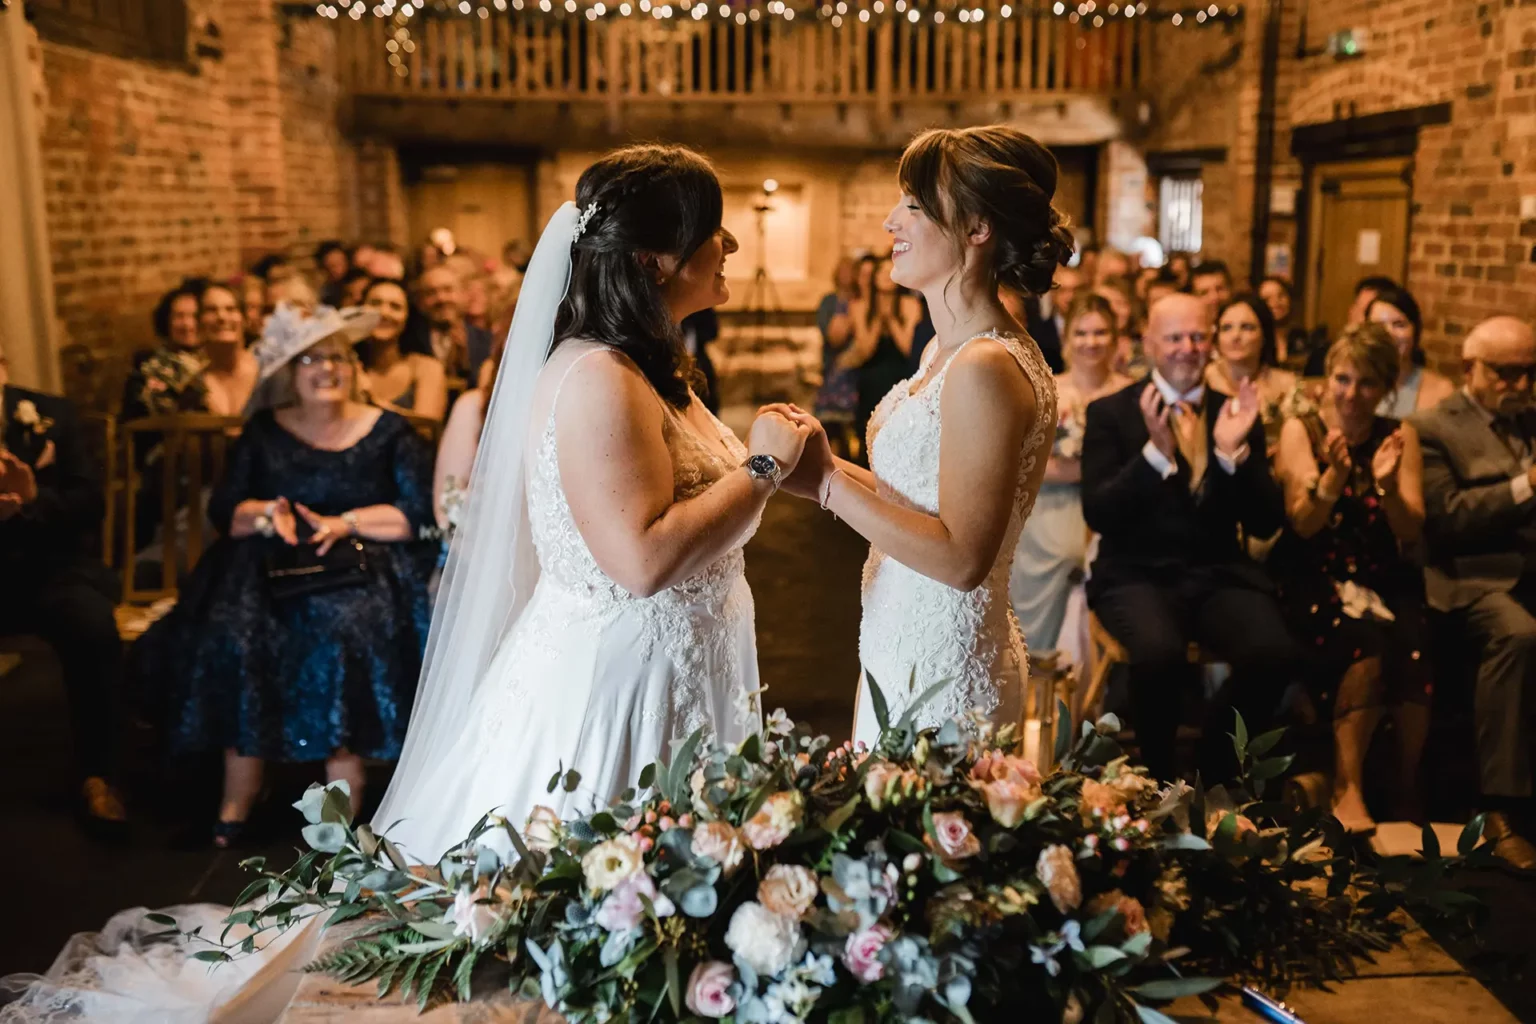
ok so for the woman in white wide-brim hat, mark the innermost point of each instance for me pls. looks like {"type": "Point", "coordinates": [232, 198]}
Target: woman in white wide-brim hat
{"type": "Point", "coordinates": [299, 635]}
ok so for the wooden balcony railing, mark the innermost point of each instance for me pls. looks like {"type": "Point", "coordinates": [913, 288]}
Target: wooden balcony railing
{"type": "Point", "coordinates": [641, 58]}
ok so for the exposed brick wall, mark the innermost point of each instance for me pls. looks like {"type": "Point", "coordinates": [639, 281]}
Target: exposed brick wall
{"type": "Point", "coordinates": [156, 172]}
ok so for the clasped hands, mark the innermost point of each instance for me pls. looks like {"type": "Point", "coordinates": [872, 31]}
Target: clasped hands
{"type": "Point", "coordinates": [1233, 424]}
{"type": "Point", "coordinates": [799, 442]}
{"type": "Point", "coordinates": [18, 485]}
{"type": "Point", "coordinates": [325, 530]}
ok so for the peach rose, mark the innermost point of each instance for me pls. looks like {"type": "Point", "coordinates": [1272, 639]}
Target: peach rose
{"type": "Point", "coordinates": [952, 837]}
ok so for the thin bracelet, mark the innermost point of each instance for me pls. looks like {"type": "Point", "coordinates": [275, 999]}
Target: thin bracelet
{"type": "Point", "coordinates": [826, 490]}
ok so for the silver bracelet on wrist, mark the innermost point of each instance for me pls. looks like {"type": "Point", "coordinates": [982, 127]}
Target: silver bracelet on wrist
{"type": "Point", "coordinates": [264, 526]}
{"type": "Point", "coordinates": [350, 518]}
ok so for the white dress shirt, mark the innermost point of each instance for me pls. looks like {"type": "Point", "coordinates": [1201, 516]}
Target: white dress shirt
{"type": "Point", "coordinates": [1154, 455]}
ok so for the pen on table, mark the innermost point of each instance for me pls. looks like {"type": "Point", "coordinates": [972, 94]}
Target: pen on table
{"type": "Point", "coordinates": [1269, 1008]}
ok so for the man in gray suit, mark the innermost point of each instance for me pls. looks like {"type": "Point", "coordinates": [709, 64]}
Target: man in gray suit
{"type": "Point", "coordinates": [1480, 503]}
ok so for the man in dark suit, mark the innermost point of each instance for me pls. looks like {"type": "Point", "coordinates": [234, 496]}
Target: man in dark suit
{"type": "Point", "coordinates": [50, 506]}
{"type": "Point", "coordinates": [1480, 531]}
{"type": "Point", "coordinates": [1169, 473]}
{"type": "Point", "coordinates": [461, 347]}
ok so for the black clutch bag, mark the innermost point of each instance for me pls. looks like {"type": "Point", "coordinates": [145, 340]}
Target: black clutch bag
{"type": "Point", "coordinates": [298, 571]}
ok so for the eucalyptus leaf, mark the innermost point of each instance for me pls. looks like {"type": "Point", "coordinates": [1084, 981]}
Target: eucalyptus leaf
{"type": "Point", "coordinates": [1099, 957]}
{"type": "Point", "coordinates": [1470, 835]}
{"type": "Point", "coordinates": [1431, 843]}
{"type": "Point", "coordinates": [554, 781]}
{"type": "Point", "coordinates": [326, 837]}
{"type": "Point", "coordinates": [1265, 742]}
{"type": "Point", "coordinates": [311, 803]}
{"type": "Point", "coordinates": [877, 701]}
{"type": "Point", "coordinates": [1063, 734]}
{"type": "Point", "coordinates": [1151, 1016]}
{"type": "Point", "coordinates": [1137, 944]}
{"type": "Point", "coordinates": [1185, 841]}
{"type": "Point", "coordinates": [700, 901]}
{"type": "Point", "coordinates": [571, 781]}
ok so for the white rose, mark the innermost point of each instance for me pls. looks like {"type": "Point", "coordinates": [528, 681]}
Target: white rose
{"type": "Point", "coordinates": [721, 843]}
{"type": "Point", "coordinates": [26, 413]}
{"type": "Point", "coordinates": [765, 941]}
{"type": "Point", "coordinates": [775, 821]}
{"type": "Point", "coordinates": [788, 889]}
{"type": "Point", "coordinates": [542, 831]}
{"type": "Point", "coordinates": [472, 918]}
{"type": "Point", "coordinates": [609, 863]}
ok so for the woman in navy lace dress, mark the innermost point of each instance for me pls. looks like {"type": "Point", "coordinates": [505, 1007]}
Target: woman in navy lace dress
{"type": "Point", "coordinates": [326, 676]}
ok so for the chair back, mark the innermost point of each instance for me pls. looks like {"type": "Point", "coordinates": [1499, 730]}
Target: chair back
{"type": "Point", "coordinates": [101, 438]}
{"type": "Point", "coordinates": [193, 449]}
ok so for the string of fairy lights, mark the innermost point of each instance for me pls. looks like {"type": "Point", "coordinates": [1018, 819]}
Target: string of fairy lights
{"type": "Point", "coordinates": [1087, 13]}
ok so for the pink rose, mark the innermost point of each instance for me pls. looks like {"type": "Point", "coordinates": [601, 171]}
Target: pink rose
{"type": "Point", "coordinates": [861, 954]}
{"type": "Point", "coordinates": [774, 822]}
{"type": "Point", "coordinates": [721, 843]}
{"type": "Point", "coordinates": [623, 909]}
{"type": "Point", "coordinates": [995, 766]}
{"type": "Point", "coordinates": [709, 989]}
{"type": "Point", "coordinates": [952, 837]}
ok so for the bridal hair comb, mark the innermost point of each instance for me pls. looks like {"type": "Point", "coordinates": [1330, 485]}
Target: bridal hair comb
{"type": "Point", "coordinates": [581, 222]}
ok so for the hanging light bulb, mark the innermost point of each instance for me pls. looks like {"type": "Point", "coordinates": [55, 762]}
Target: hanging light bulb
{"type": "Point", "coordinates": [938, 17]}
{"type": "Point", "coordinates": [912, 16]}
{"type": "Point", "coordinates": [837, 21]}
{"type": "Point", "coordinates": [1177, 19]}
{"type": "Point", "coordinates": [789, 14]}
{"type": "Point", "coordinates": [1006, 11]}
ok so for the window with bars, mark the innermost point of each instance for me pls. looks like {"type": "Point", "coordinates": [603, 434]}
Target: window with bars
{"type": "Point", "coordinates": [136, 29]}
{"type": "Point", "coordinates": [1179, 213]}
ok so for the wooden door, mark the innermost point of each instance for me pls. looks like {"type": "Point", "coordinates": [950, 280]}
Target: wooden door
{"type": "Point", "coordinates": [1358, 227]}
{"type": "Point", "coordinates": [484, 205]}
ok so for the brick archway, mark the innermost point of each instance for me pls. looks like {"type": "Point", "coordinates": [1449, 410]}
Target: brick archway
{"type": "Point", "coordinates": [1372, 89]}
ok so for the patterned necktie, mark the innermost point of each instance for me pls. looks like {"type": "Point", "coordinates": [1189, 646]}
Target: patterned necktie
{"type": "Point", "coordinates": [1189, 433]}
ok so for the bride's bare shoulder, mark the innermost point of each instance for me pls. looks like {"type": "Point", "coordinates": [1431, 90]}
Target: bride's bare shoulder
{"type": "Point", "coordinates": [595, 383]}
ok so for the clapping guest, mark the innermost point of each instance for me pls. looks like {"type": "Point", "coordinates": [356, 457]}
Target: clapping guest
{"type": "Point", "coordinates": [353, 284]}
{"type": "Point", "coordinates": [837, 401]}
{"type": "Point", "coordinates": [50, 507]}
{"type": "Point", "coordinates": [1355, 505]}
{"type": "Point", "coordinates": [1053, 549]}
{"type": "Point", "coordinates": [459, 346]}
{"type": "Point", "coordinates": [299, 635]}
{"type": "Point", "coordinates": [1170, 475]}
{"type": "Point", "coordinates": [1416, 387]}
{"type": "Point", "coordinates": [1246, 350]}
{"type": "Point", "coordinates": [402, 373]}
{"type": "Point", "coordinates": [1291, 339]}
{"type": "Point", "coordinates": [1479, 479]}
{"type": "Point", "coordinates": [885, 320]}
{"type": "Point", "coordinates": [1211, 282]}
{"type": "Point", "coordinates": [230, 373]}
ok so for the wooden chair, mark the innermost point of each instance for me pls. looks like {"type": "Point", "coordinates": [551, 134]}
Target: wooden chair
{"type": "Point", "coordinates": [430, 429]}
{"type": "Point", "coordinates": [193, 451]}
{"type": "Point", "coordinates": [1107, 652]}
{"type": "Point", "coordinates": [102, 439]}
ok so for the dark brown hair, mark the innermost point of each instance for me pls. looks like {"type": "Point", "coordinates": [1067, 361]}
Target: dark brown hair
{"type": "Point", "coordinates": [656, 199]}
{"type": "Point", "coordinates": [999, 175]}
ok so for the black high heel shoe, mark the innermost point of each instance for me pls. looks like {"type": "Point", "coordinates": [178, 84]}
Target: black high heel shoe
{"type": "Point", "coordinates": [227, 834]}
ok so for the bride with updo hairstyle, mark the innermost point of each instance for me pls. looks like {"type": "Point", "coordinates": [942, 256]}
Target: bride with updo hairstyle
{"type": "Point", "coordinates": [957, 452]}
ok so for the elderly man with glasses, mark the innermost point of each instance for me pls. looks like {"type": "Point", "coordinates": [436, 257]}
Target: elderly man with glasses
{"type": "Point", "coordinates": [1480, 504]}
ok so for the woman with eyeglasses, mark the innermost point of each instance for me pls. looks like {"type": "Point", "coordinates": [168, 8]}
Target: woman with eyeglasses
{"type": "Point", "coordinates": [299, 635]}
{"type": "Point", "coordinates": [1354, 499]}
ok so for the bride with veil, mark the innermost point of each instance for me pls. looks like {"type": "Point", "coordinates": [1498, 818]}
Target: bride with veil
{"type": "Point", "coordinates": [593, 609]}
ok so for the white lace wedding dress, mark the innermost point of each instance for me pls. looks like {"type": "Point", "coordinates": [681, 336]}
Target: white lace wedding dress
{"type": "Point", "coordinates": [633, 673]}
{"type": "Point", "coordinates": [916, 631]}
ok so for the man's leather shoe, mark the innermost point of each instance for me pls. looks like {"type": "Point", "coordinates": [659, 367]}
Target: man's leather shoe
{"type": "Point", "coordinates": [1509, 845]}
{"type": "Point", "coordinates": [101, 809]}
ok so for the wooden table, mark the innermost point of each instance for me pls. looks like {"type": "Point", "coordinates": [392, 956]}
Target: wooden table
{"type": "Point", "coordinates": [1415, 983]}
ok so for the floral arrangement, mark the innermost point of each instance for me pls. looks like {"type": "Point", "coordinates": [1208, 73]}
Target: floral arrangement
{"type": "Point", "coordinates": [171, 381]}
{"type": "Point", "coordinates": [938, 877]}
{"type": "Point", "coordinates": [1068, 443]}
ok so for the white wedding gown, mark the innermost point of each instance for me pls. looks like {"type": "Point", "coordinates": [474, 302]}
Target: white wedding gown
{"type": "Point", "coordinates": [916, 631]}
{"type": "Point", "coordinates": [631, 674]}
{"type": "Point", "coordinates": [634, 673]}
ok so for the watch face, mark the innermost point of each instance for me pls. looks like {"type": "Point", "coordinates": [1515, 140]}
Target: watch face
{"type": "Point", "coordinates": [763, 465]}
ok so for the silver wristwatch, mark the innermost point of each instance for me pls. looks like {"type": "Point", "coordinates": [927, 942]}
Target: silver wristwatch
{"type": "Point", "coordinates": [765, 467]}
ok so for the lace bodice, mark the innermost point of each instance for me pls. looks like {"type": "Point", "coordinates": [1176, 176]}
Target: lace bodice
{"type": "Point", "coordinates": [693, 621]}
{"type": "Point", "coordinates": [917, 631]}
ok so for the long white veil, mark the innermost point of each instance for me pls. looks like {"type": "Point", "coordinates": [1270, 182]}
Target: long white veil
{"type": "Point", "coordinates": [492, 566]}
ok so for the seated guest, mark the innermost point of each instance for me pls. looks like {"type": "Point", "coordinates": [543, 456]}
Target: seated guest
{"type": "Point", "coordinates": [1415, 388]}
{"type": "Point", "coordinates": [1353, 496]}
{"type": "Point", "coordinates": [1291, 339]}
{"type": "Point", "coordinates": [1366, 290]}
{"type": "Point", "coordinates": [1169, 476]}
{"type": "Point", "coordinates": [1179, 264]}
{"type": "Point", "coordinates": [264, 657]}
{"type": "Point", "coordinates": [169, 379]}
{"type": "Point", "coordinates": [1113, 268]}
{"type": "Point", "coordinates": [1246, 351]}
{"type": "Point", "coordinates": [1480, 528]}
{"type": "Point", "coordinates": [699, 331]}
{"type": "Point", "coordinates": [460, 444]}
{"type": "Point", "coordinates": [837, 401]}
{"type": "Point", "coordinates": [333, 263]}
{"type": "Point", "coordinates": [253, 307]}
{"type": "Point", "coordinates": [1046, 322]}
{"type": "Point", "coordinates": [353, 284]}
{"type": "Point", "coordinates": [1129, 359]}
{"type": "Point", "coordinates": [1053, 549]}
{"type": "Point", "coordinates": [1211, 282]}
{"type": "Point", "coordinates": [402, 373]}
{"type": "Point", "coordinates": [459, 346]}
{"type": "Point", "coordinates": [885, 321]}
{"type": "Point", "coordinates": [231, 371]}
{"type": "Point", "coordinates": [50, 508]}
